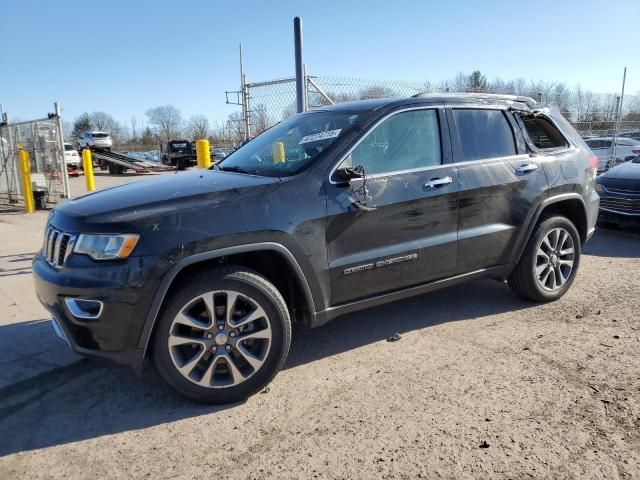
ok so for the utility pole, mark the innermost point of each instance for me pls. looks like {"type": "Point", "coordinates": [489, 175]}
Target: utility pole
{"type": "Point", "coordinates": [245, 100]}
{"type": "Point", "coordinates": [63, 168]}
{"type": "Point", "coordinates": [301, 80]}
{"type": "Point", "coordinates": [616, 128]}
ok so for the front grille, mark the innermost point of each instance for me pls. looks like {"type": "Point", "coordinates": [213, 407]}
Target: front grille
{"type": "Point", "coordinates": [57, 246]}
{"type": "Point", "coordinates": [630, 206]}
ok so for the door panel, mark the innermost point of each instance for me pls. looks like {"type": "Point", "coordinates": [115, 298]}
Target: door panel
{"type": "Point", "coordinates": [497, 195]}
{"type": "Point", "coordinates": [494, 202]}
{"type": "Point", "coordinates": [406, 235]}
{"type": "Point", "coordinates": [397, 227]}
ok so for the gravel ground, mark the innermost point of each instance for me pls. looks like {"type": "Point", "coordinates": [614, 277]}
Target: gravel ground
{"type": "Point", "coordinates": [480, 385]}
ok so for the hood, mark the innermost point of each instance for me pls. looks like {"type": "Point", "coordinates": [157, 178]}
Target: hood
{"type": "Point", "coordinates": [626, 171]}
{"type": "Point", "coordinates": [165, 194]}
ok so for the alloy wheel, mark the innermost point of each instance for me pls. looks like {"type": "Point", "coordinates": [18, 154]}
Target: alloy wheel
{"type": "Point", "coordinates": [219, 339]}
{"type": "Point", "coordinates": [554, 259]}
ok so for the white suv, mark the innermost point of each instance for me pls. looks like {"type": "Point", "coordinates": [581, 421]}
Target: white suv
{"type": "Point", "coordinates": [71, 157]}
{"type": "Point", "coordinates": [95, 141]}
{"type": "Point", "coordinates": [626, 149]}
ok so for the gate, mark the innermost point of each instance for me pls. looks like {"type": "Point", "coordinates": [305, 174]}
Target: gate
{"type": "Point", "coordinates": [42, 139]}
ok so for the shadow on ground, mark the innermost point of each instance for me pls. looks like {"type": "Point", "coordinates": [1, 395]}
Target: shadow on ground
{"type": "Point", "coordinates": [55, 400]}
{"type": "Point", "coordinates": [87, 398]}
{"type": "Point", "coordinates": [19, 264]}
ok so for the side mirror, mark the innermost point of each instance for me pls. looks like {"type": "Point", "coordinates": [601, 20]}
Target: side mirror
{"type": "Point", "coordinates": [346, 174]}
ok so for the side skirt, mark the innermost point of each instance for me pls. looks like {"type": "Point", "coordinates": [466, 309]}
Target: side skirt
{"type": "Point", "coordinates": [320, 318]}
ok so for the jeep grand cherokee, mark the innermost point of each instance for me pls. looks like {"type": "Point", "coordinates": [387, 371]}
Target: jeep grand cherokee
{"type": "Point", "coordinates": [328, 212]}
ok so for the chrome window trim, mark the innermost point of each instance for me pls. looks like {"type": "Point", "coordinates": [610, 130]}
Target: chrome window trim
{"type": "Point", "coordinates": [372, 128]}
{"type": "Point", "coordinates": [522, 156]}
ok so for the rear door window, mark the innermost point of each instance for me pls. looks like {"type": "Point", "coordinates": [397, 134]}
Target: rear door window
{"type": "Point", "coordinates": [483, 133]}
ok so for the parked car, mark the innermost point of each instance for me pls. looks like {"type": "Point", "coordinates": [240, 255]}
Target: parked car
{"type": "Point", "coordinates": [330, 211]}
{"type": "Point", "coordinates": [95, 141]}
{"type": "Point", "coordinates": [635, 134]}
{"type": "Point", "coordinates": [619, 190]}
{"type": "Point", "coordinates": [626, 149]}
{"type": "Point", "coordinates": [219, 154]}
{"type": "Point", "coordinates": [180, 154]}
{"type": "Point", "coordinates": [71, 157]}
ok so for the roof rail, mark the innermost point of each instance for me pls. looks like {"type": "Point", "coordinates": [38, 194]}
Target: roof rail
{"type": "Point", "coordinates": [493, 96]}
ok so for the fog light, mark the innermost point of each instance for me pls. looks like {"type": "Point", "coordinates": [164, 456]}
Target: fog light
{"type": "Point", "coordinates": [83, 308]}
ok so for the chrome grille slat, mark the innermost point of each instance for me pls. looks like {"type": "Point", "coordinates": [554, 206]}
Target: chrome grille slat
{"type": "Point", "coordinates": [49, 238]}
{"type": "Point", "coordinates": [57, 247]}
{"type": "Point", "coordinates": [622, 205]}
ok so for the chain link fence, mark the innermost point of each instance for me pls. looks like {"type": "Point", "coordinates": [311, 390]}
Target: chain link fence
{"type": "Point", "coordinates": [42, 139]}
{"type": "Point", "coordinates": [593, 115]}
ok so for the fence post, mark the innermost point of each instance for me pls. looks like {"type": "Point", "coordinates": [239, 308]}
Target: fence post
{"type": "Point", "coordinates": [87, 165]}
{"type": "Point", "coordinates": [63, 167]}
{"type": "Point", "coordinates": [616, 126]}
{"type": "Point", "coordinates": [27, 191]}
{"type": "Point", "coordinates": [301, 84]}
{"type": "Point", "coordinates": [203, 153]}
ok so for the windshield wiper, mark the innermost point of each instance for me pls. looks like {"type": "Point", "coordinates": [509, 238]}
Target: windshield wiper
{"type": "Point", "coordinates": [237, 169]}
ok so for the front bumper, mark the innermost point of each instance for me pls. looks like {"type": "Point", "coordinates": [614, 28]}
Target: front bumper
{"type": "Point", "coordinates": [619, 218]}
{"type": "Point", "coordinates": [125, 288]}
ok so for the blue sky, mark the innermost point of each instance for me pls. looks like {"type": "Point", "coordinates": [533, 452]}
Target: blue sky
{"type": "Point", "coordinates": [123, 57]}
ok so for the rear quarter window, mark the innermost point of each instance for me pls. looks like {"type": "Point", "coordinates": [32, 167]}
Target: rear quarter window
{"type": "Point", "coordinates": [542, 133]}
{"type": "Point", "coordinates": [483, 134]}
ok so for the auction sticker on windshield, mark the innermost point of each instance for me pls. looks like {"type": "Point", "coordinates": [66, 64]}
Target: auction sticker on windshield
{"type": "Point", "coordinates": [320, 136]}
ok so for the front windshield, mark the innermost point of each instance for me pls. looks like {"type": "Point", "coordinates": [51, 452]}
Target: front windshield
{"type": "Point", "coordinates": [290, 146]}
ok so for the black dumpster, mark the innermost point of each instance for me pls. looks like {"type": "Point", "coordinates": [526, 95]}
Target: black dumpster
{"type": "Point", "coordinates": [39, 199]}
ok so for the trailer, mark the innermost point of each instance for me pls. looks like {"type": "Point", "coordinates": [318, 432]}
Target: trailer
{"type": "Point", "coordinates": [118, 163]}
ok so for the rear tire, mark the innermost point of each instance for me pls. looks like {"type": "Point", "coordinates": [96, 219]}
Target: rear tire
{"type": "Point", "coordinates": [550, 261]}
{"type": "Point", "coordinates": [222, 336]}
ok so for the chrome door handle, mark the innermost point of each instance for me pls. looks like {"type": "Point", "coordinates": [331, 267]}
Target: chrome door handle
{"type": "Point", "coordinates": [527, 168]}
{"type": "Point", "coordinates": [438, 182]}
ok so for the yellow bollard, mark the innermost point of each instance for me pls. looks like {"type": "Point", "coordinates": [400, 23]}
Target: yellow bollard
{"type": "Point", "coordinates": [278, 152]}
{"type": "Point", "coordinates": [87, 165]}
{"type": "Point", "coordinates": [203, 153]}
{"type": "Point", "coordinates": [27, 191]}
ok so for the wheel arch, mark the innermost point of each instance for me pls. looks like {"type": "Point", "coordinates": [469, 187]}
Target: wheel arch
{"type": "Point", "coordinates": [266, 258]}
{"type": "Point", "coordinates": [570, 205]}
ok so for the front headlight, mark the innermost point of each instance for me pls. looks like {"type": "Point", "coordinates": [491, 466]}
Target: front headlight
{"type": "Point", "coordinates": [599, 188]}
{"type": "Point", "coordinates": [106, 247]}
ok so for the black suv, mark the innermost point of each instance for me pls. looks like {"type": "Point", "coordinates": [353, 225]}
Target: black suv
{"type": "Point", "coordinates": [328, 212]}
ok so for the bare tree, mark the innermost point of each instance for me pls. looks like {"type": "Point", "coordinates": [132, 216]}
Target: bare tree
{"type": "Point", "coordinates": [235, 128]}
{"type": "Point", "coordinates": [167, 121]}
{"type": "Point", "coordinates": [375, 92]}
{"type": "Point", "coordinates": [198, 127]}
{"type": "Point", "coordinates": [102, 121]}
{"type": "Point", "coordinates": [134, 128]}
{"type": "Point", "coordinates": [259, 119]}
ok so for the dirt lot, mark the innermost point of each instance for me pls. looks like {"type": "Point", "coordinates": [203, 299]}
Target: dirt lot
{"type": "Point", "coordinates": [480, 385]}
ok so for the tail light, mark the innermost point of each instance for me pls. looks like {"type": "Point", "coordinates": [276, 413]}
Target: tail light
{"type": "Point", "coordinates": [593, 160]}
{"type": "Point", "coordinates": [635, 151]}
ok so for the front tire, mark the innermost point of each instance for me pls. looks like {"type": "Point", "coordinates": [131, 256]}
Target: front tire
{"type": "Point", "coordinates": [550, 261]}
{"type": "Point", "coordinates": [222, 336]}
